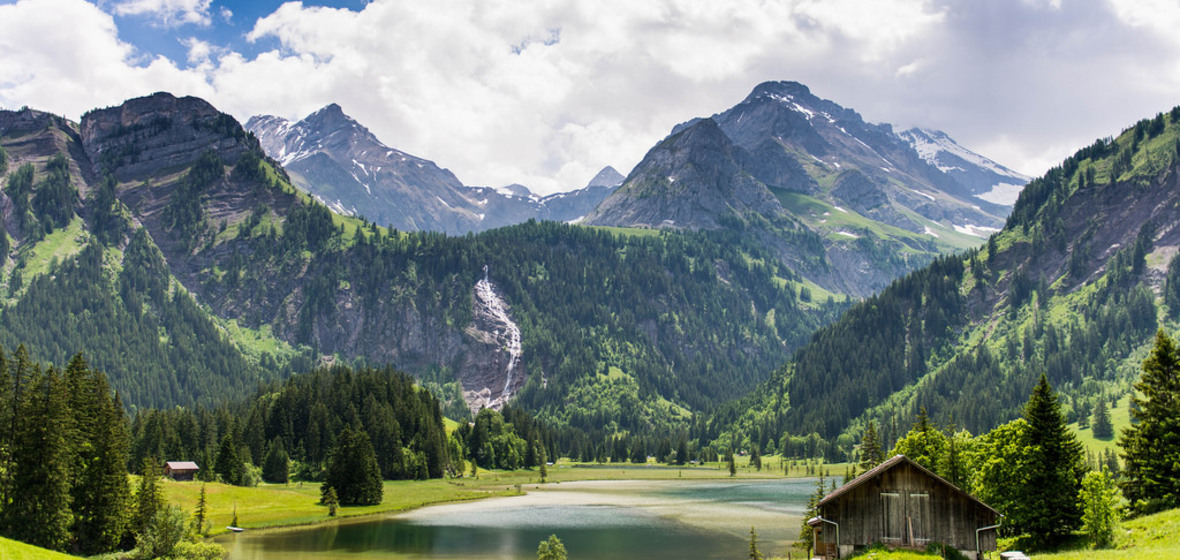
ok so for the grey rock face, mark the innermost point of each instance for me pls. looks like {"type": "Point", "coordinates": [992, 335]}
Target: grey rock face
{"type": "Point", "coordinates": [146, 135]}
{"type": "Point", "coordinates": [792, 164]}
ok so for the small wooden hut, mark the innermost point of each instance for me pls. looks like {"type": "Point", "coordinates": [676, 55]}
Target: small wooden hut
{"type": "Point", "coordinates": [180, 470]}
{"type": "Point", "coordinates": [901, 504]}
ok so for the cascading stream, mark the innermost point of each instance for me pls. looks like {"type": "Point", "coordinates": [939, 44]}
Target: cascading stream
{"type": "Point", "coordinates": [509, 338]}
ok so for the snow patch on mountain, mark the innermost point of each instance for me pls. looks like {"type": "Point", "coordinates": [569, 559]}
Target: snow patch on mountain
{"type": "Point", "coordinates": [1002, 193]}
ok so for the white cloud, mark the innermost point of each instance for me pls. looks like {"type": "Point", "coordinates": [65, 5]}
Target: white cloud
{"type": "Point", "coordinates": [168, 13]}
{"type": "Point", "coordinates": [546, 93]}
{"type": "Point", "coordinates": [69, 69]}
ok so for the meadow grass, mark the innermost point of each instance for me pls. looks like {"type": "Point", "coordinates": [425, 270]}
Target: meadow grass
{"type": "Point", "coordinates": [1149, 537]}
{"type": "Point", "coordinates": [16, 550]}
{"type": "Point", "coordinates": [1120, 418]}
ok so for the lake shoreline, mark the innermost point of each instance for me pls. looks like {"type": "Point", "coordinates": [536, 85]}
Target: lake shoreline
{"type": "Point", "coordinates": [714, 510]}
{"type": "Point", "coordinates": [296, 504]}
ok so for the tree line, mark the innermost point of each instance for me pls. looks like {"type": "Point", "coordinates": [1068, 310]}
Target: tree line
{"type": "Point", "coordinates": [1034, 471]}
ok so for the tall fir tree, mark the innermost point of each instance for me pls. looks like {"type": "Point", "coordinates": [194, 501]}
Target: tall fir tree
{"type": "Point", "coordinates": [1057, 466]}
{"type": "Point", "coordinates": [39, 511]}
{"type": "Point", "coordinates": [101, 493]}
{"type": "Point", "coordinates": [871, 454]}
{"type": "Point", "coordinates": [1151, 444]}
{"type": "Point", "coordinates": [275, 468]}
{"type": "Point", "coordinates": [231, 467]}
{"type": "Point", "coordinates": [149, 498]}
{"type": "Point", "coordinates": [1100, 424]}
{"type": "Point", "coordinates": [353, 471]}
{"type": "Point", "coordinates": [201, 514]}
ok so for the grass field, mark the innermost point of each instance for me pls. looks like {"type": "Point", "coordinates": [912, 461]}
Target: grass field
{"type": "Point", "coordinates": [1146, 538]}
{"type": "Point", "coordinates": [1120, 418]}
{"type": "Point", "coordinates": [16, 550]}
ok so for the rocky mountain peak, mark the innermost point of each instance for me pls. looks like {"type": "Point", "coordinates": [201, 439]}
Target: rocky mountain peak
{"type": "Point", "coordinates": [780, 89]}
{"type": "Point", "coordinates": [146, 134]}
{"type": "Point", "coordinates": [608, 177]}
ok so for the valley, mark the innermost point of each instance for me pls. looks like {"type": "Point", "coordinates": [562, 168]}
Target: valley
{"type": "Point", "coordinates": [731, 304]}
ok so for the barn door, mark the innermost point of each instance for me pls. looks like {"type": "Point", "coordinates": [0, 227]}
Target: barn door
{"type": "Point", "coordinates": [892, 518]}
{"type": "Point", "coordinates": [919, 518]}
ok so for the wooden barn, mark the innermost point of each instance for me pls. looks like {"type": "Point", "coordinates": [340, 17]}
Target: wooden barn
{"type": "Point", "coordinates": [181, 470]}
{"type": "Point", "coordinates": [901, 504]}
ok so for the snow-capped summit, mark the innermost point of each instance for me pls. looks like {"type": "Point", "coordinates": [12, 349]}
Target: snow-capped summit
{"type": "Point", "coordinates": [982, 177]}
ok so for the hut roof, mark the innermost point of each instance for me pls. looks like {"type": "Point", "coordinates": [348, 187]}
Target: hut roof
{"type": "Point", "coordinates": [182, 466]}
{"type": "Point", "coordinates": [889, 464]}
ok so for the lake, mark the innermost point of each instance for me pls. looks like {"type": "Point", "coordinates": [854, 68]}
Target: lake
{"type": "Point", "coordinates": [597, 520]}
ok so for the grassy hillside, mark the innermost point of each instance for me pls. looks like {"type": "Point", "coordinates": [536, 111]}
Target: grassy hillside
{"type": "Point", "coordinates": [1146, 538]}
{"type": "Point", "coordinates": [1071, 288]}
{"type": "Point", "coordinates": [1120, 418]}
{"type": "Point", "coordinates": [15, 550]}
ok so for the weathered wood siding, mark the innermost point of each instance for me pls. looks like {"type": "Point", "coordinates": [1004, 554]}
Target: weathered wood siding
{"type": "Point", "coordinates": [905, 506]}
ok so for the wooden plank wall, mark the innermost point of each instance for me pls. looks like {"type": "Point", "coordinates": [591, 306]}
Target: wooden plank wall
{"type": "Point", "coordinates": [921, 508]}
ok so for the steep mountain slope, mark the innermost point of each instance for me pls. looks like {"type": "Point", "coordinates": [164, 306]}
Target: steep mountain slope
{"type": "Point", "coordinates": [342, 164]}
{"type": "Point", "coordinates": [91, 285]}
{"type": "Point", "coordinates": [850, 204]}
{"type": "Point", "coordinates": [1071, 288]}
{"type": "Point", "coordinates": [604, 330]}
{"type": "Point", "coordinates": [979, 177]}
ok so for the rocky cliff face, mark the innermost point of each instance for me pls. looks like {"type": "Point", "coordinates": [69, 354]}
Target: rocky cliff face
{"type": "Point", "coordinates": [491, 375]}
{"type": "Point", "coordinates": [691, 180]}
{"type": "Point", "coordinates": [799, 169]}
{"type": "Point", "coordinates": [150, 134]}
{"type": "Point", "coordinates": [345, 166]}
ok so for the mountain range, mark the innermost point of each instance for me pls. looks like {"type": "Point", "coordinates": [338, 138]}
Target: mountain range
{"type": "Point", "coordinates": [160, 229]}
{"type": "Point", "coordinates": [849, 204]}
{"type": "Point", "coordinates": [1074, 287]}
{"type": "Point", "coordinates": [342, 164]}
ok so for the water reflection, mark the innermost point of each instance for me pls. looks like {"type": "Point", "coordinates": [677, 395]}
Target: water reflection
{"type": "Point", "coordinates": [595, 521]}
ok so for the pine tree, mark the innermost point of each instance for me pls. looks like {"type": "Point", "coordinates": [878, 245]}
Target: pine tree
{"type": "Point", "coordinates": [871, 454]}
{"type": "Point", "coordinates": [149, 498]}
{"type": "Point", "coordinates": [1151, 444]}
{"type": "Point", "coordinates": [39, 512]}
{"type": "Point", "coordinates": [1100, 424]}
{"type": "Point", "coordinates": [230, 465]}
{"type": "Point", "coordinates": [682, 451]}
{"type": "Point", "coordinates": [329, 499]}
{"type": "Point", "coordinates": [1056, 461]}
{"type": "Point", "coordinates": [806, 540]}
{"type": "Point", "coordinates": [754, 553]}
{"type": "Point", "coordinates": [275, 468]}
{"type": "Point", "coordinates": [101, 492]}
{"type": "Point", "coordinates": [353, 471]}
{"type": "Point", "coordinates": [201, 515]}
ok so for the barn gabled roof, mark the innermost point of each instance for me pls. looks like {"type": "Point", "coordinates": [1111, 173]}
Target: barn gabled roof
{"type": "Point", "coordinates": [181, 466]}
{"type": "Point", "coordinates": [889, 464]}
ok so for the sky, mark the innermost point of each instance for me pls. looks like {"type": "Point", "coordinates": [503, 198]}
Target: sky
{"type": "Point", "coordinates": [547, 92]}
